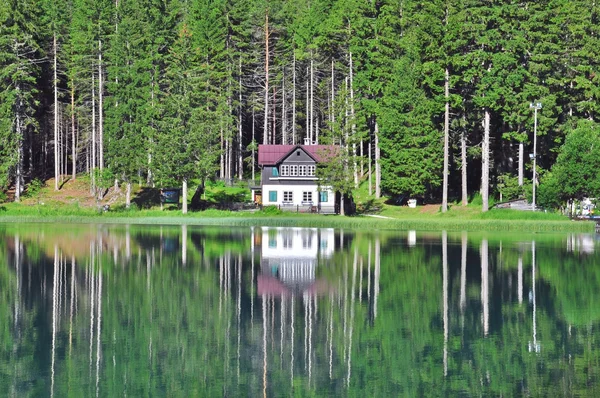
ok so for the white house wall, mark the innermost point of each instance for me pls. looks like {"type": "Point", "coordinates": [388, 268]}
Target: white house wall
{"type": "Point", "coordinates": [297, 194]}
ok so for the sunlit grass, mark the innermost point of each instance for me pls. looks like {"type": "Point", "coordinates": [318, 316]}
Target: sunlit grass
{"type": "Point", "coordinates": [45, 208]}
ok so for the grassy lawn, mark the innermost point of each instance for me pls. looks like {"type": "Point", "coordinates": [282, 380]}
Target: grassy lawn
{"type": "Point", "coordinates": [73, 203]}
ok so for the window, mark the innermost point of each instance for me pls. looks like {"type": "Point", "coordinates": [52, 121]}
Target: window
{"type": "Point", "coordinates": [287, 196]}
{"type": "Point", "coordinates": [307, 196]}
{"type": "Point", "coordinates": [302, 170]}
{"type": "Point", "coordinates": [275, 172]}
{"type": "Point", "coordinates": [310, 171]}
{"type": "Point", "coordinates": [293, 170]}
{"type": "Point", "coordinates": [285, 170]}
{"type": "Point", "coordinates": [287, 240]}
{"type": "Point", "coordinates": [323, 196]}
{"type": "Point", "coordinates": [272, 196]}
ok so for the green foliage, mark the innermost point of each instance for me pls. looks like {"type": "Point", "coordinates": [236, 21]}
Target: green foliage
{"type": "Point", "coordinates": [34, 188]}
{"type": "Point", "coordinates": [576, 173]}
{"type": "Point", "coordinates": [508, 186]}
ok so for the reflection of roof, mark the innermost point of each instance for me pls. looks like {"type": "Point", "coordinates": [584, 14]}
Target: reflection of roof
{"type": "Point", "coordinates": [274, 154]}
{"type": "Point", "coordinates": [270, 285]}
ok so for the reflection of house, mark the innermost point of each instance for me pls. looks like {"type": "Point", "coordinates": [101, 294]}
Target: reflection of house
{"type": "Point", "coordinates": [289, 257]}
{"type": "Point", "coordinates": [288, 178]}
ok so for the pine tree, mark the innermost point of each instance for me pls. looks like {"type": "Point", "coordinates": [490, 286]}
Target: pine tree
{"type": "Point", "coordinates": [20, 56]}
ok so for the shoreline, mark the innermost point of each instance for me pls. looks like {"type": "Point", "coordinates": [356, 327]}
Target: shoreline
{"type": "Point", "coordinates": [306, 221]}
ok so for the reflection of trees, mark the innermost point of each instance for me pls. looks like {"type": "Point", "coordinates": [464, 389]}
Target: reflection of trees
{"type": "Point", "coordinates": [445, 317]}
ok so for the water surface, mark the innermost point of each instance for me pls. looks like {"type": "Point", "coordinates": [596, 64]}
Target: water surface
{"type": "Point", "coordinates": [99, 310]}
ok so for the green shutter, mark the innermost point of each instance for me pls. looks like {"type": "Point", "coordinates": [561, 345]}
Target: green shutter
{"type": "Point", "coordinates": [273, 195]}
{"type": "Point", "coordinates": [275, 172]}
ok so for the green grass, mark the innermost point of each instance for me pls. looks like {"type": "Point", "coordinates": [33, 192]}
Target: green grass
{"type": "Point", "coordinates": [505, 220]}
{"type": "Point", "coordinates": [429, 218]}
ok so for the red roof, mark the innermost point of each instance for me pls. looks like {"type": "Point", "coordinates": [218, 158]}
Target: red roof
{"type": "Point", "coordinates": [269, 155]}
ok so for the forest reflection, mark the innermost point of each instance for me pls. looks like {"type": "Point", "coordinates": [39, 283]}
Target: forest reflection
{"type": "Point", "coordinates": [102, 310]}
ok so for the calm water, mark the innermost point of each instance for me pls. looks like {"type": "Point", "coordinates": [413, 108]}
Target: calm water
{"type": "Point", "coordinates": [136, 311]}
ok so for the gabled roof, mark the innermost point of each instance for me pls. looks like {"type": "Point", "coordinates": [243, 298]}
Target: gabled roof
{"type": "Point", "coordinates": [271, 155]}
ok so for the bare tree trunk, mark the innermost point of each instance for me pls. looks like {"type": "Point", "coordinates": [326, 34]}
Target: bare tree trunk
{"type": "Point", "coordinates": [332, 107]}
{"type": "Point", "coordinates": [284, 137]}
{"type": "Point", "coordinates": [222, 155]}
{"type": "Point", "coordinates": [485, 162]}
{"type": "Point", "coordinates": [93, 168]}
{"type": "Point", "coordinates": [308, 124]}
{"type": "Point", "coordinates": [19, 171]}
{"type": "Point", "coordinates": [240, 153]}
{"type": "Point", "coordinates": [312, 100]}
{"type": "Point", "coordinates": [266, 118]}
{"type": "Point", "coordinates": [352, 116]}
{"type": "Point", "coordinates": [128, 195]}
{"type": "Point", "coordinates": [73, 134]}
{"type": "Point", "coordinates": [521, 163]}
{"type": "Point", "coordinates": [294, 100]}
{"type": "Point", "coordinates": [463, 167]}
{"type": "Point", "coordinates": [446, 139]}
{"type": "Point", "coordinates": [55, 83]}
{"type": "Point", "coordinates": [184, 206]}
{"type": "Point", "coordinates": [253, 142]}
{"type": "Point", "coordinates": [370, 178]}
{"type": "Point", "coordinates": [100, 113]}
{"type": "Point", "coordinates": [274, 120]}
{"type": "Point", "coordinates": [377, 163]}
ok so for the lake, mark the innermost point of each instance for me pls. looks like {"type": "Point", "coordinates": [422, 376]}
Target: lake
{"type": "Point", "coordinates": [133, 310]}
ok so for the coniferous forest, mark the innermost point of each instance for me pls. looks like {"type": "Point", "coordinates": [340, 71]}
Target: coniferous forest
{"type": "Point", "coordinates": [431, 99]}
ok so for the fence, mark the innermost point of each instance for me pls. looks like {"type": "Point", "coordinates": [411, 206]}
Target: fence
{"type": "Point", "coordinates": [319, 209]}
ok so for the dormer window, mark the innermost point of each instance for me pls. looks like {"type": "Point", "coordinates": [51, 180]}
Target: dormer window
{"type": "Point", "coordinates": [285, 170]}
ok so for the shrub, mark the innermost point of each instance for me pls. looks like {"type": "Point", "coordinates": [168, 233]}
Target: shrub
{"type": "Point", "coordinates": [34, 188]}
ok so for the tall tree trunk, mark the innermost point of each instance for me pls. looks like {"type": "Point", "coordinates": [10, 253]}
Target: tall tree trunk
{"type": "Point", "coordinates": [73, 133]}
{"type": "Point", "coordinates": [240, 153]}
{"type": "Point", "coordinates": [93, 168]}
{"type": "Point", "coordinates": [463, 167]}
{"type": "Point", "coordinates": [222, 155]}
{"type": "Point", "coordinates": [266, 117]}
{"type": "Point", "coordinates": [284, 137]}
{"type": "Point", "coordinates": [100, 109]}
{"type": "Point", "coordinates": [332, 107]}
{"type": "Point", "coordinates": [485, 162]}
{"type": "Point", "coordinates": [253, 144]}
{"type": "Point", "coordinates": [307, 132]}
{"type": "Point", "coordinates": [521, 163]}
{"type": "Point", "coordinates": [128, 195]}
{"type": "Point", "coordinates": [312, 99]}
{"type": "Point", "coordinates": [377, 162]}
{"type": "Point", "coordinates": [370, 178]}
{"type": "Point", "coordinates": [184, 206]}
{"type": "Point", "coordinates": [294, 99]}
{"type": "Point", "coordinates": [353, 119]}
{"type": "Point", "coordinates": [19, 129]}
{"type": "Point", "coordinates": [446, 139]}
{"type": "Point", "coordinates": [55, 84]}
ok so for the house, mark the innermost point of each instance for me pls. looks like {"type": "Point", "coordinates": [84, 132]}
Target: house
{"type": "Point", "coordinates": [288, 178]}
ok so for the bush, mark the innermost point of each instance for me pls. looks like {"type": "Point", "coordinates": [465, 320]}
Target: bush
{"type": "Point", "coordinates": [508, 187]}
{"type": "Point", "coordinates": [271, 210]}
{"type": "Point", "coordinates": [34, 188]}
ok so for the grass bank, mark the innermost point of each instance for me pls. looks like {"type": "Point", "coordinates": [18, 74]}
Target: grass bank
{"type": "Point", "coordinates": [73, 204]}
{"type": "Point", "coordinates": [417, 219]}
